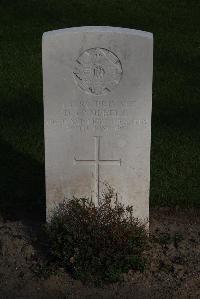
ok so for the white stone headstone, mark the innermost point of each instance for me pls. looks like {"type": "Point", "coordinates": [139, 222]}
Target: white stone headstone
{"type": "Point", "coordinates": [97, 114]}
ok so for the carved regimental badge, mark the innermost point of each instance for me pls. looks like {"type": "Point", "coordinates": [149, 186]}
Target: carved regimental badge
{"type": "Point", "coordinates": [97, 71]}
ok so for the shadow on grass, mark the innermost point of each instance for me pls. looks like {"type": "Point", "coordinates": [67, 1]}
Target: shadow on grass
{"type": "Point", "coordinates": [22, 187]}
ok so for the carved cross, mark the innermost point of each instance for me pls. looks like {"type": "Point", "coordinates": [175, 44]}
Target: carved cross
{"type": "Point", "coordinates": [97, 163]}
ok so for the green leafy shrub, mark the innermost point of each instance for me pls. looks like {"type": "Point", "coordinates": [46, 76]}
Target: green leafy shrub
{"type": "Point", "coordinates": [96, 242]}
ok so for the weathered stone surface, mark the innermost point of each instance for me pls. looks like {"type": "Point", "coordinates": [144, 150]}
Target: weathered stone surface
{"type": "Point", "coordinates": [97, 114]}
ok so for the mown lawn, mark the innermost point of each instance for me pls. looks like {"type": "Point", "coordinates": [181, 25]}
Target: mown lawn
{"type": "Point", "coordinates": [175, 159]}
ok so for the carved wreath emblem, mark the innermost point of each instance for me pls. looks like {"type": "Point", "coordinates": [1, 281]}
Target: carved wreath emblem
{"type": "Point", "coordinates": [97, 71]}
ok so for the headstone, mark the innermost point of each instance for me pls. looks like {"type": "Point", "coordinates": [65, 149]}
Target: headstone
{"type": "Point", "coordinates": [97, 114]}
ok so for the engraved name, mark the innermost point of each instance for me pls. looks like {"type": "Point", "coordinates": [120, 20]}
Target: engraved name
{"type": "Point", "coordinates": [97, 115]}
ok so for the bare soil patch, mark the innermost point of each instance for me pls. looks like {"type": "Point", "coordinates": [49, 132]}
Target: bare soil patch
{"type": "Point", "coordinates": [173, 269]}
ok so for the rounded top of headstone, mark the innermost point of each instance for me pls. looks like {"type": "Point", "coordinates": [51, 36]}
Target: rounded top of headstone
{"type": "Point", "coordinates": [101, 29]}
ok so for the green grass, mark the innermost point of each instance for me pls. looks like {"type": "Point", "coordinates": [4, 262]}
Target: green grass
{"type": "Point", "coordinates": [175, 158]}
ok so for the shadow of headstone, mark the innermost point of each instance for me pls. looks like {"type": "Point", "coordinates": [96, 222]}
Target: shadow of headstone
{"type": "Point", "coordinates": [22, 186]}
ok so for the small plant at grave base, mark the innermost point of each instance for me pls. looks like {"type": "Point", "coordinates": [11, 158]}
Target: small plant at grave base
{"type": "Point", "coordinates": [97, 243]}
